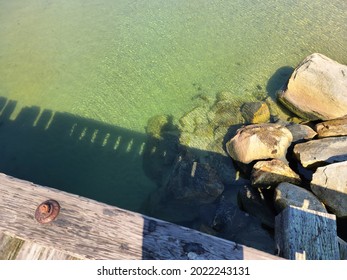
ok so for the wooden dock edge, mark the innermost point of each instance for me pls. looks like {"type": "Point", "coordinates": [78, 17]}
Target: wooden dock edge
{"type": "Point", "coordinates": [87, 229]}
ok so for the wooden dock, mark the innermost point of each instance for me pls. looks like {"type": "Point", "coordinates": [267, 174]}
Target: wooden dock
{"type": "Point", "coordinates": [87, 229]}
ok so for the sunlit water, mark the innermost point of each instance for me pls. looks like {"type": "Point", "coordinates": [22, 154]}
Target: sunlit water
{"type": "Point", "coordinates": [79, 79]}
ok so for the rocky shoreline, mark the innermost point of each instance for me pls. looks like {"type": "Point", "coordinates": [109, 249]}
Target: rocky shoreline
{"type": "Point", "coordinates": [228, 168]}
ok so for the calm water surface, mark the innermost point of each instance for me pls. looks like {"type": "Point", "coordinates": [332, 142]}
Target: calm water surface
{"type": "Point", "coordinates": [79, 79]}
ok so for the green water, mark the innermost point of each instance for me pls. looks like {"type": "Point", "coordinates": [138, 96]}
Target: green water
{"type": "Point", "coordinates": [79, 79]}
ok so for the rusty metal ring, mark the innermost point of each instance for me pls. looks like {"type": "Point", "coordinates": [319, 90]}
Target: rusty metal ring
{"type": "Point", "coordinates": [47, 211]}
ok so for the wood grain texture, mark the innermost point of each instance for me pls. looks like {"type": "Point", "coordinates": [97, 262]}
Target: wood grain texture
{"type": "Point", "coordinates": [302, 232]}
{"type": "Point", "coordinates": [87, 229]}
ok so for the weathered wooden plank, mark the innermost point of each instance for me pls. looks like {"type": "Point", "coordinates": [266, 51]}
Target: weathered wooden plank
{"type": "Point", "coordinates": [9, 247]}
{"type": "Point", "coordinates": [303, 233]}
{"type": "Point", "coordinates": [12, 248]}
{"type": "Point", "coordinates": [86, 229]}
{"type": "Point", "coordinates": [343, 248]}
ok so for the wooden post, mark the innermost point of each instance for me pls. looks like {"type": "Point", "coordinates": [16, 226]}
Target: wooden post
{"type": "Point", "coordinates": [306, 234]}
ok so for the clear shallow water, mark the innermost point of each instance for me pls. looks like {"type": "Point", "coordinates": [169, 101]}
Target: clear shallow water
{"type": "Point", "coordinates": [78, 77]}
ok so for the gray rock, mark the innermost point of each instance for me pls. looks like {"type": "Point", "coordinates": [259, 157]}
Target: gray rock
{"type": "Point", "coordinates": [321, 151]}
{"type": "Point", "coordinates": [336, 127]}
{"type": "Point", "coordinates": [317, 89]}
{"type": "Point", "coordinates": [253, 202]}
{"type": "Point", "coordinates": [193, 181]}
{"type": "Point", "coordinates": [233, 224]}
{"type": "Point", "coordinates": [288, 194]}
{"type": "Point", "coordinates": [301, 132]}
{"type": "Point", "coordinates": [259, 141]}
{"type": "Point", "coordinates": [329, 183]}
{"type": "Point", "coordinates": [271, 173]}
{"type": "Point", "coordinates": [226, 170]}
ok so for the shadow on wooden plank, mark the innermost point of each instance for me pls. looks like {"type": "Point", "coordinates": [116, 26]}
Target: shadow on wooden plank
{"type": "Point", "coordinates": [87, 229]}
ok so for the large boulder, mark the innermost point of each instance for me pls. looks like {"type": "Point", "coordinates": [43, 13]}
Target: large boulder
{"type": "Point", "coordinates": [321, 151]}
{"type": "Point", "coordinates": [336, 127]}
{"type": "Point", "coordinates": [329, 183]}
{"type": "Point", "coordinates": [287, 194]}
{"type": "Point", "coordinates": [271, 173]}
{"type": "Point", "coordinates": [259, 141]}
{"type": "Point", "coordinates": [317, 89]}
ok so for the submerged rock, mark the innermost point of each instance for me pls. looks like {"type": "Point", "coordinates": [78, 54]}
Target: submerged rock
{"type": "Point", "coordinates": [225, 96]}
{"type": "Point", "coordinates": [193, 119]}
{"type": "Point", "coordinates": [259, 141]}
{"type": "Point", "coordinates": [225, 113]}
{"type": "Point", "coordinates": [193, 181]}
{"type": "Point", "coordinates": [200, 139]}
{"type": "Point", "coordinates": [317, 89]}
{"type": "Point", "coordinates": [287, 194]}
{"type": "Point", "coordinates": [271, 173]}
{"type": "Point", "coordinates": [321, 151]}
{"type": "Point", "coordinates": [336, 127]}
{"type": "Point", "coordinates": [156, 124]}
{"type": "Point", "coordinates": [255, 112]}
{"type": "Point", "coordinates": [329, 183]}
